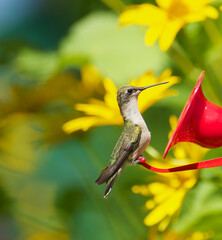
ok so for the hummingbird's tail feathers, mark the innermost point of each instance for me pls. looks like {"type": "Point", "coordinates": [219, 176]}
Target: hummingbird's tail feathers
{"type": "Point", "coordinates": [100, 180]}
{"type": "Point", "coordinates": [110, 185]}
{"type": "Point", "coordinates": [108, 172]}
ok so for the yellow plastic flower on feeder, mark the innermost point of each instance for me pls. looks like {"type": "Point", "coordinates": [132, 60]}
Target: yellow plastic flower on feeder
{"type": "Point", "coordinates": [166, 19]}
{"type": "Point", "coordinates": [107, 112]}
{"type": "Point", "coordinates": [168, 191]}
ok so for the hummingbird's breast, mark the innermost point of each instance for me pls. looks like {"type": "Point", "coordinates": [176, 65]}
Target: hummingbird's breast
{"type": "Point", "coordinates": [144, 141]}
{"type": "Point", "coordinates": [131, 112]}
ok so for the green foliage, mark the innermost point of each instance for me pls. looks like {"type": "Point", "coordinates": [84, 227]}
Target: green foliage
{"type": "Point", "coordinates": [97, 39]}
{"type": "Point", "coordinates": [36, 65]}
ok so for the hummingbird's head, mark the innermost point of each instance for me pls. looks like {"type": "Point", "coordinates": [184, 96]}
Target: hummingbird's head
{"type": "Point", "coordinates": [126, 94]}
{"type": "Point", "coordinates": [127, 99]}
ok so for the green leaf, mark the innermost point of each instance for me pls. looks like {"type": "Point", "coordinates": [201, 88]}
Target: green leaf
{"type": "Point", "coordinates": [202, 203]}
{"type": "Point", "coordinates": [36, 65]}
{"type": "Point", "coordinates": [119, 52]}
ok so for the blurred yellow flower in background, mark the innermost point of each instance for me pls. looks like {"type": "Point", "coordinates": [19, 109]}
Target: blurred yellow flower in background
{"type": "Point", "coordinates": [107, 112]}
{"type": "Point", "coordinates": [166, 19]}
{"type": "Point", "coordinates": [171, 234]}
{"type": "Point", "coordinates": [196, 235]}
{"type": "Point", "coordinates": [91, 79]}
{"type": "Point", "coordinates": [167, 193]}
{"type": "Point", "coordinates": [49, 236]}
{"type": "Point", "coordinates": [89, 84]}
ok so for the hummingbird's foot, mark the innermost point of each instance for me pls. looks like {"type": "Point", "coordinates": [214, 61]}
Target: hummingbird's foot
{"type": "Point", "coordinates": [141, 159]}
{"type": "Point", "coordinates": [136, 161]}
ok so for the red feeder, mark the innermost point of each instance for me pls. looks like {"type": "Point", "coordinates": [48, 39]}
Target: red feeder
{"type": "Point", "coordinates": [200, 122]}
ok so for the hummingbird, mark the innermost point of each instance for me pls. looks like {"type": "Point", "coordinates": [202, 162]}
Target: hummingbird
{"type": "Point", "coordinates": [133, 140]}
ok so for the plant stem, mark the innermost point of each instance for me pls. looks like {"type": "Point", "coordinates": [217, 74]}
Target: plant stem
{"type": "Point", "coordinates": [116, 5]}
{"type": "Point", "coordinates": [212, 83]}
{"type": "Point", "coordinates": [215, 37]}
{"type": "Point", "coordinates": [180, 59]}
{"type": "Point", "coordinates": [212, 32]}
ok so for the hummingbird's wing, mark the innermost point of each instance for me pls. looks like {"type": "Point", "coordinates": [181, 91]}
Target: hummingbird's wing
{"type": "Point", "coordinates": [127, 143]}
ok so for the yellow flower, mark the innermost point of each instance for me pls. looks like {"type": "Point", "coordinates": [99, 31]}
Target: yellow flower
{"type": "Point", "coordinates": [168, 191]}
{"type": "Point", "coordinates": [49, 236]}
{"type": "Point", "coordinates": [196, 235]}
{"type": "Point", "coordinates": [90, 84]}
{"type": "Point", "coordinates": [91, 78]}
{"type": "Point", "coordinates": [173, 235]}
{"type": "Point", "coordinates": [166, 19]}
{"type": "Point", "coordinates": [107, 112]}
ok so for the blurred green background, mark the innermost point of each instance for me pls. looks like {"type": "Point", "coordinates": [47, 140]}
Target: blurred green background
{"type": "Point", "coordinates": [47, 188]}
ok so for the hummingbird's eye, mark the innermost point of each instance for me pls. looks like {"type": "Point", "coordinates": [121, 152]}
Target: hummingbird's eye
{"type": "Point", "coordinates": [130, 91]}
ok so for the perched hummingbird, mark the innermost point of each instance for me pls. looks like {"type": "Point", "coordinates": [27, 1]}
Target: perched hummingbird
{"type": "Point", "coordinates": [134, 138]}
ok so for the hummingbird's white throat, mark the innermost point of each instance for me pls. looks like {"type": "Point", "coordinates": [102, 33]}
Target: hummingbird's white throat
{"type": "Point", "coordinates": [130, 111]}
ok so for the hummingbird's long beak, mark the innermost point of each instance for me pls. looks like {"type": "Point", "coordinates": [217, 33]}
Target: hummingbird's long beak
{"type": "Point", "coordinates": [153, 85]}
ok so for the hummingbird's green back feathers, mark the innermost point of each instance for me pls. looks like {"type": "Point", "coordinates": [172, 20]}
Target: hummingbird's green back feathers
{"type": "Point", "coordinates": [126, 144]}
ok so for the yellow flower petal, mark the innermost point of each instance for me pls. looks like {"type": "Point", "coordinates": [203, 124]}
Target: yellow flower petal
{"type": "Point", "coordinates": [90, 77]}
{"type": "Point", "coordinates": [175, 201]}
{"type": "Point", "coordinates": [164, 223]}
{"type": "Point", "coordinates": [83, 123]}
{"type": "Point", "coordinates": [197, 16]}
{"type": "Point", "coordinates": [155, 216]}
{"type": "Point", "coordinates": [156, 188]}
{"type": "Point", "coordinates": [190, 183]}
{"type": "Point", "coordinates": [198, 3]}
{"type": "Point", "coordinates": [193, 17]}
{"type": "Point", "coordinates": [49, 236]}
{"type": "Point", "coordinates": [164, 3]}
{"type": "Point", "coordinates": [145, 80]}
{"type": "Point", "coordinates": [142, 189]}
{"type": "Point", "coordinates": [144, 14]}
{"type": "Point", "coordinates": [169, 34]}
{"type": "Point", "coordinates": [167, 208]}
{"type": "Point", "coordinates": [164, 195]}
{"type": "Point", "coordinates": [110, 96]}
{"type": "Point", "coordinates": [166, 74]}
{"type": "Point", "coordinates": [97, 102]}
{"type": "Point", "coordinates": [173, 122]}
{"type": "Point", "coordinates": [180, 153]}
{"type": "Point", "coordinates": [153, 33]}
{"type": "Point", "coordinates": [211, 12]}
{"type": "Point", "coordinates": [150, 204]}
{"type": "Point", "coordinates": [96, 110]}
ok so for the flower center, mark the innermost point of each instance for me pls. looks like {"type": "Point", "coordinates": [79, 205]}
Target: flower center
{"type": "Point", "coordinates": [177, 9]}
